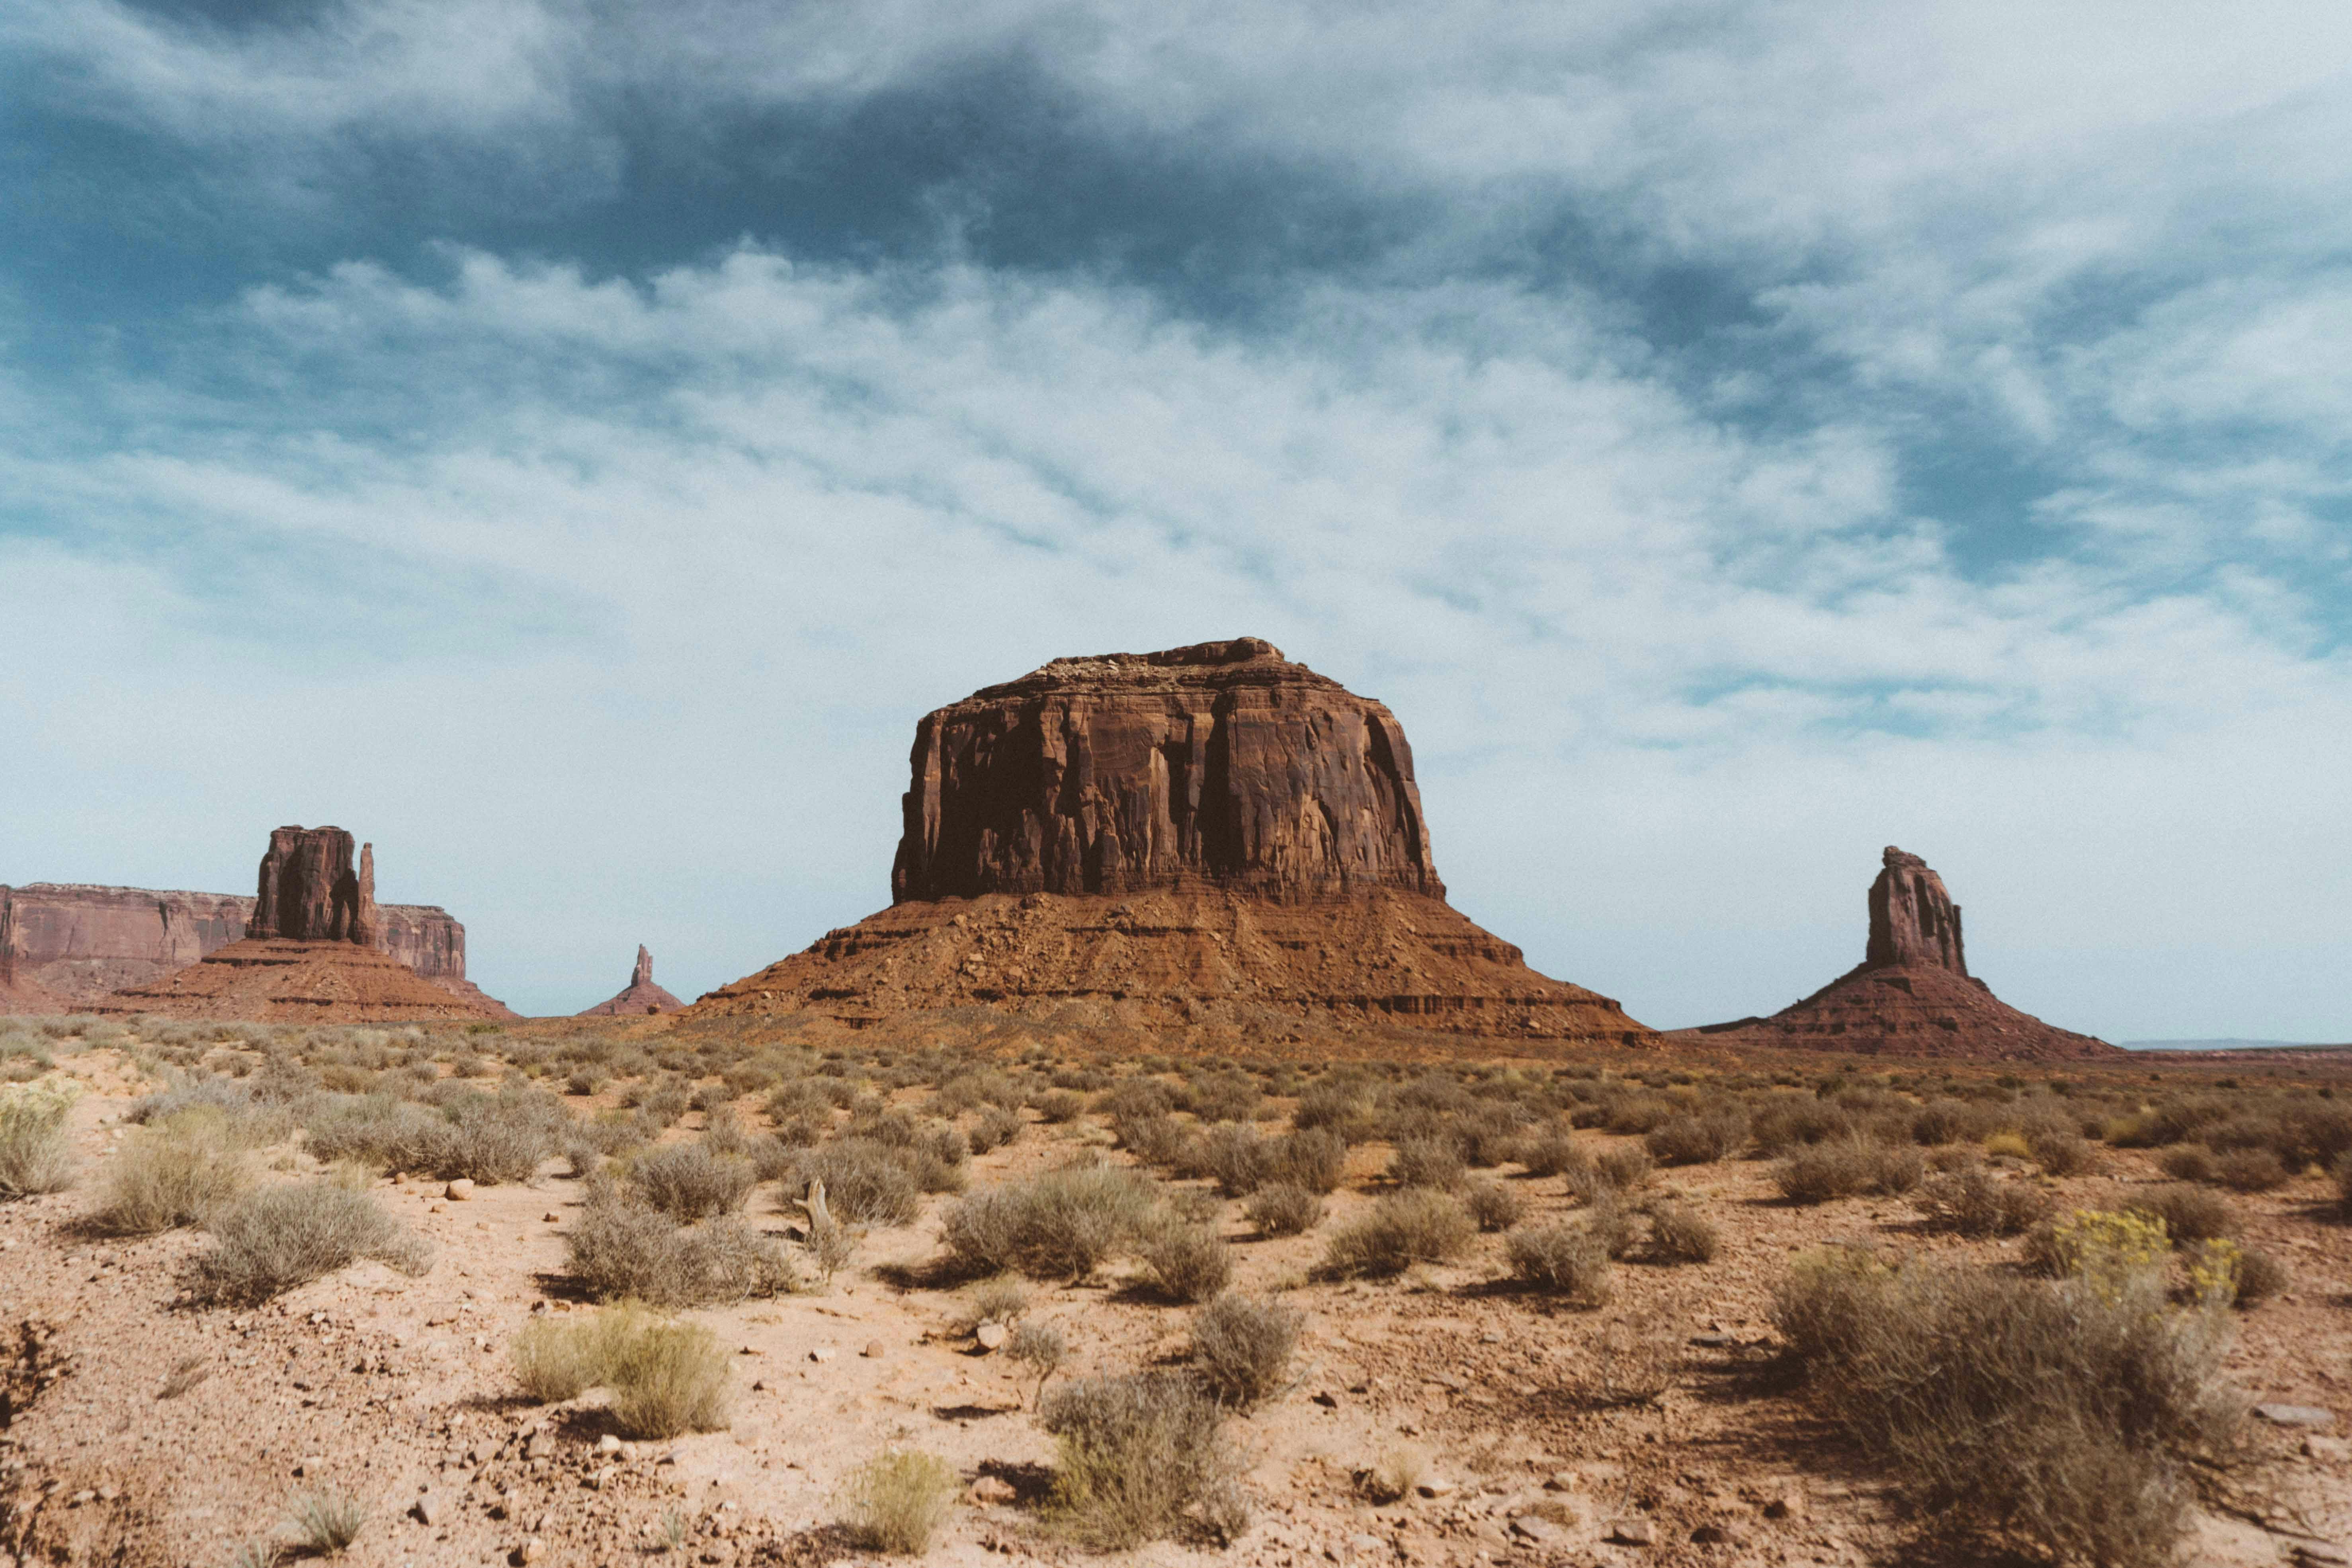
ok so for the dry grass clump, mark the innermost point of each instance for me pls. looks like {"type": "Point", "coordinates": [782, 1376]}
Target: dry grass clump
{"type": "Point", "coordinates": [1418, 1224]}
{"type": "Point", "coordinates": [2071, 1423]}
{"type": "Point", "coordinates": [1569, 1260]}
{"type": "Point", "coordinates": [34, 1156]}
{"type": "Point", "coordinates": [1624, 1168]}
{"type": "Point", "coordinates": [623, 1249]}
{"type": "Point", "coordinates": [668, 1378]}
{"type": "Point", "coordinates": [326, 1519]}
{"type": "Point", "coordinates": [1699, 1139]}
{"type": "Point", "coordinates": [1848, 1167]}
{"type": "Point", "coordinates": [994, 1128]}
{"type": "Point", "coordinates": [1494, 1206]}
{"type": "Point", "coordinates": [1681, 1235]}
{"type": "Point", "coordinates": [1284, 1209]}
{"type": "Point", "coordinates": [1551, 1153]}
{"type": "Point", "coordinates": [1063, 1224]}
{"type": "Point", "coordinates": [898, 1501]}
{"type": "Point", "coordinates": [1974, 1202]}
{"type": "Point", "coordinates": [1137, 1457]}
{"type": "Point", "coordinates": [1060, 1106]}
{"type": "Point", "coordinates": [1188, 1262]}
{"type": "Point", "coordinates": [1433, 1162]}
{"type": "Point", "coordinates": [277, 1238]}
{"type": "Point", "coordinates": [1242, 1348]}
{"type": "Point", "coordinates": [180, 1170]}
{"type": "Point", "coordinates": [691, 1181]}
{"type": "Point", "coordinates": [1392, 1477]}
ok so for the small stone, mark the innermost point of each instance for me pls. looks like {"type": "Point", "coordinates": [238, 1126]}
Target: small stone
{"type": "Point", "coordinates": [1561, 1482]}
{"type": "Point", "coordinates": [436, 1208]}
{"type": "Point", "coordinates": [2321, 1554]}
{"type": "Point", "coordinates": [530, 1550]}
{"type": "Point", "coordinates": [608, 1444]}
{"type": "Point", "coordinates": [427, 1509]}
{"type": "Point", "coordinates": [872, 1351]}
{"type": "Point", "coordinates": [601, 1479]}
{"type": "Point", "coordinates": [1535, 1528]}
{"type": "Point", "coordinates": [821, 1352]}
{"type": "Point", "coordinates": [1632, 1532]}
{"type": "Point", "coordinates": [458, 1191]}
{"type": "Point", "coordinates": [1434, 1487]}
{"type": "Point", "coordinates": [109, 1493]}
{"type": "Point", "coordinates": [2296, 1415]}
{"type": "Point", "coordinates": [1328, 1400]}
{"type": "Point", "coordinates": [1367, 1544]}
{"type": "Point", "coordinates": [308, 1465]}
{"type": "Point", "coordinates": [991, 1336]}
{"type": "Point", "coordinates": [549, 1218]}
{"type": "Point", "coordinates": [749, 1349]}
{"type": "Point", "coordinates": [2319, 1447]}
{"type": "Point", "coordinates": [1714, 1534]}
{"type": "Point", "coordinates": [758, 1386]}
{"type": "Point", "coordinates": [1714, 1340]}
{"type": "Point", "coordinates": [990, 1490]}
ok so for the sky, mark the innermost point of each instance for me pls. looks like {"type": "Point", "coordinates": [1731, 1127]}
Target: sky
{"type": "Point", "coordinates": [571, 442]}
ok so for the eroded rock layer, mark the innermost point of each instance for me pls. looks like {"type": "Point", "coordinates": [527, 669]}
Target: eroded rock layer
{"type": "Point", "coordinates": [274, 980]}
{"type": "Point", "coordinates": [1221, 765]}
{"type": "Point", "coordinates": [76, 943]}
{"type": "Point", "coordinates": [1189, 956]}
{"type": "Point", "coordinates": [1912, 994]}
{"type": "Point", "coordinates": [639, 997]}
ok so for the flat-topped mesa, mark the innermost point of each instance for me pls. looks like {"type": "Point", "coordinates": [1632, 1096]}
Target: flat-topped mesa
{"type": "Point", "coordinates": [309, 892]}
{"type": "Point", "coordinates": [1221, 765]}
{"type": "Point", "coordinates": [1912, 919]}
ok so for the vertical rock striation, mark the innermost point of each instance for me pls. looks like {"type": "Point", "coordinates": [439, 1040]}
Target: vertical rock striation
{"type": "Point", "coordinates": [1912, 919]}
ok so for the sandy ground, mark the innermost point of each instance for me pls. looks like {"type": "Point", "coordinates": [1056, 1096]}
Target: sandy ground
{"type": "Point", "coordinates": [140, 1430]}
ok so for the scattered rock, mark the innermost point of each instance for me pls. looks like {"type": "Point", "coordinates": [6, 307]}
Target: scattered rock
{"type": "Point", "coordinates": [1715, 1534]}
{"type": "Point", "coordinates": [1632, 1532]}
{"type": "Point", "coordinates": [1785, 1505]}
{"type": "Point", "coordinates": [872, 1351]}
{"type": "Point", "coordinates": [1435, 1487]}
{"type": "Point", "coordinates": [608, 1444]}
{"type": "Point", "coordinates": [823, 1352]}
{"type": "Point", "coordinates": [308, 1465]}
{"type": "Point", "coordinates": [550, 1217]}
{"type": "Point", "coordinates": [1328, 1400]}
{"type": "Point", "coordinates": [2310, 1416]}
{"type": "Point", "coordinates": [990, 1336]}
{"type": "Point", "coordinates": [1535, 1527]}
{"type": "Point", "coordinates": [530, 1550]}
{"type": "Point", "coordinates": [2319, 1447]}
{"type": "Point", "coordinates": [2321, 1554]}
{"type": "Point", "coordinates": [428, 1508]}
{"type": "Point", "coordinates": [458, 1191]}
{"type": "Point", "coordinates": [990, 1491]}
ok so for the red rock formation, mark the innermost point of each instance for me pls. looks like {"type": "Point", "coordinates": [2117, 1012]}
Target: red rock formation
{"type": "Point", "coordinates": [1911, 995]}
{"type": "Point", "coordinates": [1212, 834]}
{"type": "Point", "coordinates": [640, 997]}
{"type": "Point", "coordinates": [79, 943]}
{"type": "Point", "coordinates": [310, 952]}
{"type": "Point", "coordinates": [1221, 763]}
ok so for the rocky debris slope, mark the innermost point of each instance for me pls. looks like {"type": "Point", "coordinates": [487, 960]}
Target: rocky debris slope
{"type": "Point", "coordinates": [1912, 994]}
{"type": "Point", "coordinates": [640, 997]}
{"type": "Point", "coordinates": [1212, 834]}
{"type": "Point", "coordinates": [311, 953]}
{"type": "Point", "coordinates": [76, 943]}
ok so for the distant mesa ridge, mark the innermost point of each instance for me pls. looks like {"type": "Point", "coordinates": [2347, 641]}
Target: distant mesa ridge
{"type": "Point", "coordinates": [1911, 994]}
{"type": "Point", "coordinates": [1208, 835]}
{"type": "Point", "coordinates": [640, 997]}
{"type": "Point", "coordinates": [311, 950]}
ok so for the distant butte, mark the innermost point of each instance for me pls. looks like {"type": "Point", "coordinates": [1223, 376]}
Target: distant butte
{"type": "Point", "coordinates": [1209, 835]}
{"type": "Point", "coordinates": [640, 997]}
{"type": "Point", "coordinates": [311, 953]}
{"type": "Point", "coordinates": [1911, 995]}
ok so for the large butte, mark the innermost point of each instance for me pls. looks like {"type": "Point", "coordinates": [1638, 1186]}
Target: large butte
{"type": "Point", "coordinates": [1211, 834]}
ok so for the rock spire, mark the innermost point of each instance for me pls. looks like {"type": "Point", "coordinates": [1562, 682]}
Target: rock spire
{"type": "Point", "coordinates": [641, 995]}
{"type": "Point", "coordinates": [310, 891]}
{"type": "Point", "coordinates": [1912, 919]}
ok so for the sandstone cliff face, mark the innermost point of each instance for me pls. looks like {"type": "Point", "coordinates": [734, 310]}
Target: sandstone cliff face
{"type": "Point", "coordinates": [1209, 835]}
{"type": "Point", "coordinates": [1912, 994]}
{"type": "Point", "coordinates": [77, 942]}
{"type": "Point", "coordinates": [1221, 764]}
{"type": "Point", "coordinates": [309, 892]}
{"type": "Point", "coordinates": [640, 997]}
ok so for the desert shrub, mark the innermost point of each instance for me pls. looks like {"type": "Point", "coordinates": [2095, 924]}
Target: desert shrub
{"type": "Point", "coordinates": [1848, 1166]}
{"type": "Point", "coordinates": [667, 1378]}
{"type": "Point", "coordinates": [2101, 1245]}
{"type": "Point", "coordinates": [556, 1358]}
{"type": "Point", "coordinates": [1040, 1348]}
{"type": "Point", "coordinates": [1418, 1224]}
{"type": "Point", "coordinates": [2069, 1423]}
{"type": "Point", "coordinates": [1427, 1161]}
{"type": "Point", "coordinates": [898, 1501]}
{"type": "Point", "coordinates": [2059, 1151]}
{"type": "Point", "coordinates": [1787, 1122]}
{"type": "Point", "coordinates": [1699, 1139]}
{"type": "Point", "coordinates": [1680, 1235]}
{"type": "Point", "coordinates": [1315, 1159]}
{"type": "Point", "coordinates": [2190, 1214]}
{"type": "Point", "coordinates": [1974, 1202]}
{"type": "Point", "coordinates": [623, 1249]}
{"type": "Point", "coordinates": [1335, 1108]}
{"type": "Point", "coordinates": [1234, 1155]}
{"type": "Point", "coordinates": [693, 1180]}
{"type": "Point", "coordinates": [34, 1156]}
{"type": "Point", "coordinates": [1624, 1167]}
{"type": "Point", "coordinates": [1946, 1120]}
{"type": "Point", "coordinates": [181, 1170]}
{"type": "Point", "coordinates": [2186, 1162]}
{"type": "Point", "coordinates": [1188, 1262]}
{"type": "Point", "coordinates": [1494, 1206]}
{"type": "Point", "coordinates": [1242, 1348]}
{"type": "Point", "coordinates": [277, 1238]}
{"type": "Point", "coordinates": [2250, 1170]}
{"type": "Point", "coordinates": [1001, 1300]}
{"type": "Point", "coordinates": [1611, 1219]}
{"type": "Point", "coordinates": [326, 1519]}
{"type": "Point", "coordinates": [1061, 1105]}
{"type": "Point", "coordinates": [994, 1128]}
{"type": "Point", "coordinates": [1395, 1472]}
{"type": "Point", "coordinates": [1562, 1259]}
{"type": "Point", "coordinates": [1135, 1455]}
{"type": "Point", "coordinates": [503, 1138]}
{"type": "Point", "coordinates": [1155, 1139]}
{"type": "Point", "coordinates": [1550, 1152]}
{"type": "Point", "coordinates": [1284, 1209]}
{"type": "Point", "coordinates": [2257, 1277]}
{"type": "Point", "coordinates": [1061, 1225]}
{"type": "Point", "coordinates": [1223, 1097]}
{"type": "Point", "coordinates": [866, 1182]}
